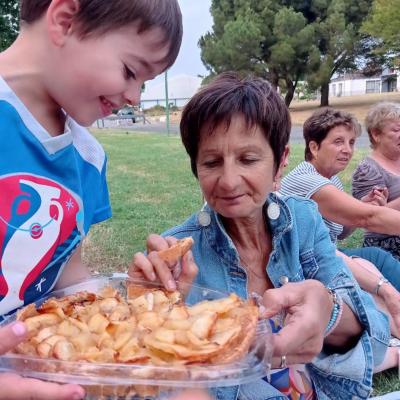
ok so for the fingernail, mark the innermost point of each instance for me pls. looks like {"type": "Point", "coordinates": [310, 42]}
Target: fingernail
{"type": "Point", "coordinates": [19, 329]}
{"type": "Point", "coordinates": [153, 276]}
{"type": "Point", "coordinates": [171, 284]}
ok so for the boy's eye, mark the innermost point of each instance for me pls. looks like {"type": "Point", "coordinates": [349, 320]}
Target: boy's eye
{"type": "Point", "coordinates": [129, 73]}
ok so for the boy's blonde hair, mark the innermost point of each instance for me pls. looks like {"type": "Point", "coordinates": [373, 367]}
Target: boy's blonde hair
{"type": "Point", "coordinates": [100, 16]}
{"type": "Point", "coordinates": [378, 115]}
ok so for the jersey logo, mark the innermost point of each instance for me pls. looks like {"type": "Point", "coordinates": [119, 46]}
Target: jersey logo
{"type": "Point", "coordinates": [40, 224]}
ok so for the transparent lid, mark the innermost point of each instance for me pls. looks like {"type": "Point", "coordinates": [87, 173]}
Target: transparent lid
{"type": "Point", "coordinates": [255, 364]}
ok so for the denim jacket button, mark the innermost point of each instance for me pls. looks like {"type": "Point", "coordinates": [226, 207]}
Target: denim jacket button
{"type": "Point", "coordinates": [283, 280]}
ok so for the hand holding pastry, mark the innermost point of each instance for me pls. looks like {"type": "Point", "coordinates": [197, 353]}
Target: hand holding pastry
{"type": "Point", "coordinates": [168, 260]}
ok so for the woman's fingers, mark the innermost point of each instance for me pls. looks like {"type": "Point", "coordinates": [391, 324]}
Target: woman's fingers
{"type": "Point", "coordinates": [156, 242]}
{"type": "Point", "coordinates": [142, 267]}
{"type": "Point", "coordinates": [14, 387]}
{"type": "Point", "coordinates": [298, 341]}
{"type": "Point", "coordinates": [301, 337]}
{"type": "Point", "coordinates": [188, 274]}
{"type": "Point", "coordinates": [189, 268]}
{"type": "Point", "coordinates": [162, 271]}
{"type": "Point", "coordinates": [154, 266]}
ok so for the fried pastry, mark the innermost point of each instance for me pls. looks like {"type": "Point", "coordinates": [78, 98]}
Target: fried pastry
{"type": "Point", "coordinates": [150, 325]}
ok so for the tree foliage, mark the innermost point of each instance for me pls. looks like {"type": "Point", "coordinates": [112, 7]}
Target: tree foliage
{"type": "Point", "coordinates": [260, 37]}
{"type": "Point", "coordinates": [383, 23]}
{"type": "Point", "coordinates": [285, 40]}
{"type": "Point", "coordinates": [9, 24]}
{"type": "Point", "coordinates": [340, 41]}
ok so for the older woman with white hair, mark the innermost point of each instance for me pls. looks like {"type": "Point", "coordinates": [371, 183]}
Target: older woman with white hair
{"type": "Point", "coordinates": [381, 169]}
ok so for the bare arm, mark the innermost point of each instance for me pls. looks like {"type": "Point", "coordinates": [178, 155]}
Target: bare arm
{"type": "Point", "coordinates": [74, 271]}
{"type": "Point", "coordinates": [395, 204]}
{"type": "Point", "coordinates": [344, 209]}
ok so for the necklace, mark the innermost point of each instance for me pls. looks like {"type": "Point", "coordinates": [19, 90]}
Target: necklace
{"type": "Point", "coordinates": [249, 270]}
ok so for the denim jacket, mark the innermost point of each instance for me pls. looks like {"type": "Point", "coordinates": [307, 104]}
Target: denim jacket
{"type": "Point", "coordinates": [301, 249]}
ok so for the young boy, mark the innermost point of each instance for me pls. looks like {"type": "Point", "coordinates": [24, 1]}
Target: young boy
{"type": "Point", "coordinates": [73, 62]}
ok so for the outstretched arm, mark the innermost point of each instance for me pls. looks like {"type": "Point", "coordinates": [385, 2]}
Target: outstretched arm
{"type": "Point", "coordinates": [344, 209]}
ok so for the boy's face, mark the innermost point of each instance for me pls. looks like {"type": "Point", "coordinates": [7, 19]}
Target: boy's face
{"type": "Point", "coordinates": [90, 77]}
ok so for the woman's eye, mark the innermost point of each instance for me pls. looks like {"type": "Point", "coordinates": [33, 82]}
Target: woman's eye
{"type": "Point", "coordinates": [249, 160]}
{"type": "Point", "coordinates": [210, 163]}
{"type": "Point", "coordinates": [129, 73]}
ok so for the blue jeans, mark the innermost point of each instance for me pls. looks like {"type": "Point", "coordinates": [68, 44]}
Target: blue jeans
{"type": "Point", "coordinates": [383, 260]}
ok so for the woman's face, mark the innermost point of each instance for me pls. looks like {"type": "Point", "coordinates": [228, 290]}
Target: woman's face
{"type": "Point", "coordinates": [334, 152]}
{"type": "Point", "coordinates": [388, 139]}
{"type": "Point", "coordinates": [236, 169]}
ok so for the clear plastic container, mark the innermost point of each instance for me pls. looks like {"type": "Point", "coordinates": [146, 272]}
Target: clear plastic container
{"type": "Point", "coordinates": [130, 381]}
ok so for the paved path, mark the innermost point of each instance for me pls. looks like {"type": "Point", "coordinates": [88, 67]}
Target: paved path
{"type": "Point", "coordinates": [296, 136]}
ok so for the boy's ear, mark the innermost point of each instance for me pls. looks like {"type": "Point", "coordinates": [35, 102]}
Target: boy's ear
{"type": "Point", "coordinates": [60, 17]}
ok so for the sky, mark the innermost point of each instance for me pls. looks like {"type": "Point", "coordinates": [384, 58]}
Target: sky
{"type": "Point", "coordinates": [197, 21]}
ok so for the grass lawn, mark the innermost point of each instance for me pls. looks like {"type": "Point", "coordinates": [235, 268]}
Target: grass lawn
{"type": "Point", "coordinates": [151, 189]}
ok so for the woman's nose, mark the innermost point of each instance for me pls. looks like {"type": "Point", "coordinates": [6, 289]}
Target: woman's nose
{"type": "Point", "coordinates": [229, 177]}
{"type": "Point", "coordinates": [348, 148]}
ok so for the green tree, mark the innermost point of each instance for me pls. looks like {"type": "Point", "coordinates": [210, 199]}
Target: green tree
{"type": "Point", "coordinates": [383, 23]}
{"type": "Point", "coordinates": [9, 24]}
{"type": "Point", "coordinates": [286, 40]}
{"type": "Point", "coordinates": [260, 37]}
{"type": "Point", "coordinates": [340, 40]}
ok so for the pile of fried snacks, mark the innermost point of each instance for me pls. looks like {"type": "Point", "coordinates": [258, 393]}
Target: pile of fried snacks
{"type": "Point", "coordinates": [150, 326]}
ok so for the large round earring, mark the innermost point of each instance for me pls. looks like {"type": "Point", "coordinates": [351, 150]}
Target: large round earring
{"type": "Point", "coordinates": [204, 218]}
{"type": "Point", "coordinates": [273, 211]}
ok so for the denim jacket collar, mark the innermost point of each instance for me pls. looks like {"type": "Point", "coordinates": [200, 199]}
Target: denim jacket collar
{"type": "Point", "coordinates": [223, 244]}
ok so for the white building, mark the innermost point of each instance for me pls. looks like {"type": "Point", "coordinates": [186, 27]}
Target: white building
{"type": "Point", "coordinates": [350, 84]}
{"type": "Point", "coordinates": [180, 89]}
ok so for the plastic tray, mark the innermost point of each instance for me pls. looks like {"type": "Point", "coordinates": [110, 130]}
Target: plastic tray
{"type": "Point", "coordinates": [130, 381]}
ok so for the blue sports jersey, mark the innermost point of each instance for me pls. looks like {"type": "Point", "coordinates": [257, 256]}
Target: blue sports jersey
{"type": "Point", "coordinates": [52, 189]}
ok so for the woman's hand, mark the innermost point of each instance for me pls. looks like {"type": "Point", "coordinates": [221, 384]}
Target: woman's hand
{"type": "Point", "coordinates": [15, 387]}
{"type": "Point", "coordinates": [391, 301]}
{"type": "Point", "coordinates": [153, 268]}
{"type": "Point", "coordinates": [377, 196]}
{"type": "Point", "coordinates": [302, 335]}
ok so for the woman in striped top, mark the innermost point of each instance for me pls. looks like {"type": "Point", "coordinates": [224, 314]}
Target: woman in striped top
{"type": "Point", "coordinates": [330, 136]}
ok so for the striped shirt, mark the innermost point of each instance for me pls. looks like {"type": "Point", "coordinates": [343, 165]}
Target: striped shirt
{"type": "Point", "coordinates": [304, 181]}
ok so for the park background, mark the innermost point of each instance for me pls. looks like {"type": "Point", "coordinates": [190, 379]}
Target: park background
{"type": "Point", "coordinates": [312, 51]}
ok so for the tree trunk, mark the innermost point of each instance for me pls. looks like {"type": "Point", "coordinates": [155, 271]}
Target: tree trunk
{"type": "Point", "coordinates": [273, 78]}
{"type": "Point", "coordinates": [290, 87]}
{"type": "Point", "coordinates": [324, 94]}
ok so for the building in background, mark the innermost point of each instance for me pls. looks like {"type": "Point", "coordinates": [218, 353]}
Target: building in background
{"type": "Point", "coordinates": [351, 84]}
